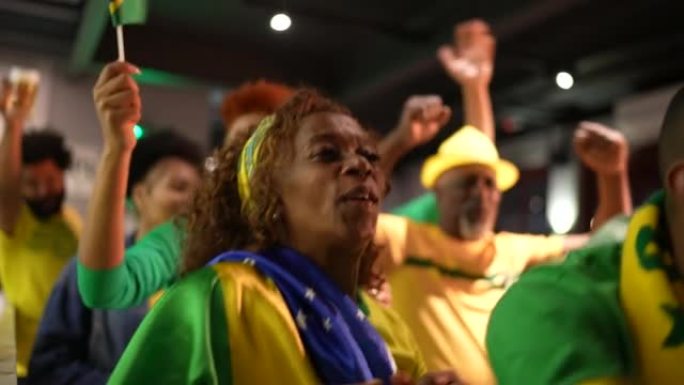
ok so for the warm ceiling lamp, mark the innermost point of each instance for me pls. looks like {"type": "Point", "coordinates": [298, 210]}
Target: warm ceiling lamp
{"type": "Point", "coordinates": [281, 22]}
{"type": "Point", "coordinates": [564, 80]}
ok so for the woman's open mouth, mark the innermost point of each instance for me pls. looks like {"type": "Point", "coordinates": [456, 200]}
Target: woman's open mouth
{"type": "Point", "coordinates": [360, 195]}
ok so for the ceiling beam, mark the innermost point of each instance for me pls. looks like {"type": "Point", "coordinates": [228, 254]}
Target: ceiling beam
{"type": "Point", "coordinates": [34, 43]}
{"type": "Point", "coordinates": [90, 31]}
{"type": "Point", "coordinates": [40, 10]}
{"type": "Point", "coordinates": [218, 60]}
{"type": "Point", "coordinates": [377, 21]}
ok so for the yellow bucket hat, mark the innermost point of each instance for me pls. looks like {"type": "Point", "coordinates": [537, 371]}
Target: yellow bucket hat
{"type": "Point", "coordinates": [468, 146]}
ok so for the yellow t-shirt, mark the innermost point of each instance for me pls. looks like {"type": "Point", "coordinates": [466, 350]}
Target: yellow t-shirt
{"type": "Point", "coordinates": [31, 260]}
{"type": "Point", "coordinates": [445, 288]}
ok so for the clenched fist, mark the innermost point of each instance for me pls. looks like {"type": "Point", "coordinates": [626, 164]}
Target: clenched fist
{"type": "Point", "coordinates": [422, 118]}
{"type": "Point", "coordinates": [602, 149]}
{"type": "Point", "coordinates": [117, 101]}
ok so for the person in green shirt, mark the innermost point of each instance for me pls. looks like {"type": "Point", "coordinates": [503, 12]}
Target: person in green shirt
{"type": "Point", "coordinates": [612, 313]}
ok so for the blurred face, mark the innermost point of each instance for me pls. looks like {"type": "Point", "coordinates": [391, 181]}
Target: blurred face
{"type": "Point", "coordinates": [42, 187]}
{"type": "Point", "coordinates": [166, 191]}
{"type": "Point", "coordinates": [674, 188]}
{"type": "Point", "coordinates": [332, 187]}
{"type": "Point", "coordinates": [243, 126]}
{"type": "Point", "coordinates": [468, 201]}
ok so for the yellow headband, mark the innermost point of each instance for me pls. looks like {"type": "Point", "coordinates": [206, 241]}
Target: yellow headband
{"type": "Point", "coordinates": [249, 156]}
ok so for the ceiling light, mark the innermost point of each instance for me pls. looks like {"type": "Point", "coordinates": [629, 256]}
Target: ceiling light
{"type": "Point", "coordinates": [564, 80]}
{"type": "Point", "coordinates": [280, 22]}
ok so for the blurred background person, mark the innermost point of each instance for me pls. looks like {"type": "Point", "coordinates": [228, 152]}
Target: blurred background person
{"type": "Point", "coordinates": [610, 314]}
{"type": "Point", "coordinates": [76, 345]}
{"type": "Point", "coordinates": [244, 107]}
{"type": "Point", "coordinates": [38, 233]}
{"type": "Point", "coordinates": [463, 264]}
{"type": "Point", "coordinates": [469, 61]}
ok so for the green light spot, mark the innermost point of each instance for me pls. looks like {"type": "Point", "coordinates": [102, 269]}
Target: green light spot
{"type": "Point", "coordinates": [138, 131]}
{"type": "Point", "coordinates": [163, 78]}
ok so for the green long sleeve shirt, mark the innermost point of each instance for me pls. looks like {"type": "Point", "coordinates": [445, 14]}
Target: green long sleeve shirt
{"type": "Point", "coordinates": [149, 266]}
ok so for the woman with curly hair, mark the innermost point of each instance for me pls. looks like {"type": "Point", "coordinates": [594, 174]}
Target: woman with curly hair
{"type": "Point", "coordinates": [272, 262]}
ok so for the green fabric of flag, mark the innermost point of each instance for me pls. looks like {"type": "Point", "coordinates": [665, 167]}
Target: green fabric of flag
{"type": "Point", "coordinates": [125, 12]}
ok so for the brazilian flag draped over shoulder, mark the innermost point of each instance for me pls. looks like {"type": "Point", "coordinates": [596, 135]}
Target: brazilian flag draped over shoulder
{"type": "Point", "coordinates": [126, 12]}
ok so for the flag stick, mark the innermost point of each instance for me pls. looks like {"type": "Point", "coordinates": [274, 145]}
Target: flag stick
{"type": "Point", "coordinates": [120, 42]}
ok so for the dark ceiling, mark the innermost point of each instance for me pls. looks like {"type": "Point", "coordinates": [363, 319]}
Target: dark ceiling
{"type": "Point", "coordinates": [372, 54]}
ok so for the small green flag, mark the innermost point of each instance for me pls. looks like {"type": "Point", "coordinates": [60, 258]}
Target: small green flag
{"type": "Point", "coordinates": [128, 11]}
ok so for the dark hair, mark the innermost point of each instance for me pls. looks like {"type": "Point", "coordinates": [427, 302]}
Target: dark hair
{"type": "Point", "coordinates": [260, 96]}
{"type": "Point", "coordinates": [158, 146]}
{"type": "Point", "coordinates": [672, 135]}
{"type": "Point", "coordinates": [37, 146]}
{"type": "Point", "coordinates": [219, 221]}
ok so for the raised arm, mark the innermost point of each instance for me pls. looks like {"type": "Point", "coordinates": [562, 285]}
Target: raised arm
{"type": "Point", "coordinates": [117, 102]}
{"type": "Point", "coordinates": [421, 119]}
{"type": "Point", "coordinates": [14, 107]}
{"type": "Point", "coordinates": [469, 61]}
{"type": "Point", "coordinates": [147, 267]}
{"type": "Point", "coordinates": [605, 151]}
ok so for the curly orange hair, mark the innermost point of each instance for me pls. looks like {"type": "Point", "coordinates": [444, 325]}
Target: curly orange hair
{"type": "Point", "coordinates": [259, 96]}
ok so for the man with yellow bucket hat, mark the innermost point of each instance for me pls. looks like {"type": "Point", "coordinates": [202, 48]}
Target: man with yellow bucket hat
{"type": "Point", "coordinates": [447, 278]}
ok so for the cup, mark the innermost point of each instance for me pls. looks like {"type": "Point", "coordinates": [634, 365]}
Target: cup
{"type": "Point", "coordinates": [24, 82]}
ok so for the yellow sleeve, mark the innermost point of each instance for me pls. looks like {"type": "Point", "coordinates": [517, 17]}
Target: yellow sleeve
{"type": "Point", "coordinates": [543, 248]}
{"type": "Point", "coordinates": [399, 338]}
{"type": "Point", "coordinates": [390, 238]}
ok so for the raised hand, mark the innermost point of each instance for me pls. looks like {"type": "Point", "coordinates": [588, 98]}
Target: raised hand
{"type": "Point", "coordinates": [422, 118]}
{"type": "Point", "coordinates": [117, 101]}
{"type": "Point", "coordinates": [469, 60]}
{"type": "Point", "coordinates": [602, 149]}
